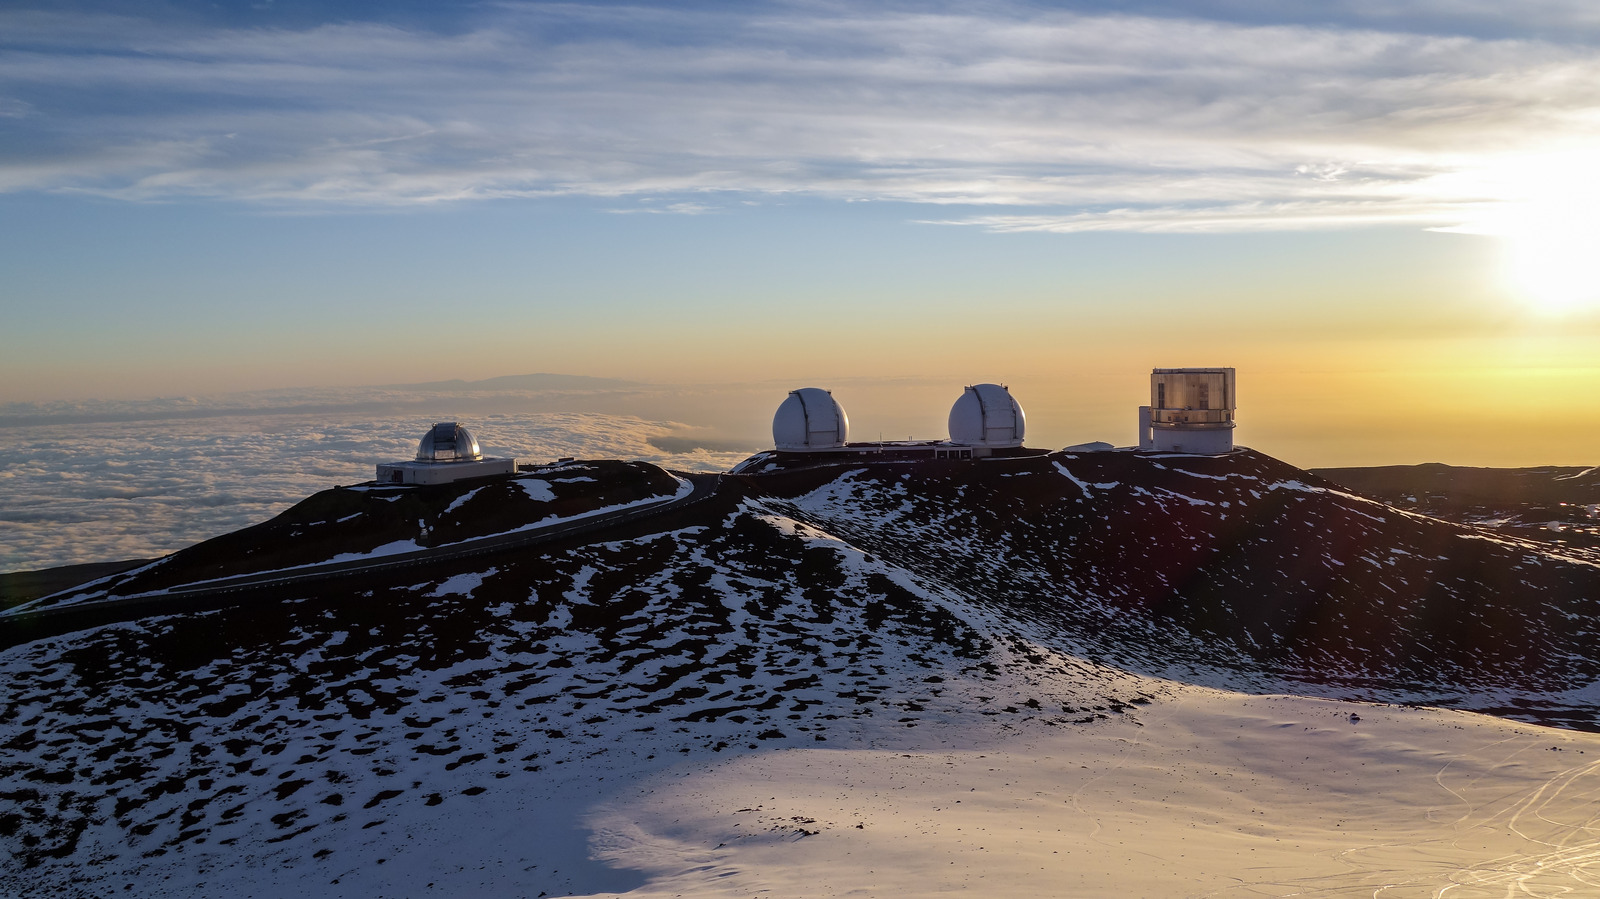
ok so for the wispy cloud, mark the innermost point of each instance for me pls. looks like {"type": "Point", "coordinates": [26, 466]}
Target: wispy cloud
{"type": "Point", "coordinates": [1066, 120]}
{"type": "Point", "coordinates": [1290, 215]}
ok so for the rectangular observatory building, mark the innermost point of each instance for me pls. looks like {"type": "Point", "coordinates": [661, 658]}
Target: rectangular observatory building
{"type": "Point", "coordinates": [1191, 411]}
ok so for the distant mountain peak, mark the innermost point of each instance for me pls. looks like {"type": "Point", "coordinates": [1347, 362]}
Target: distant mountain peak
{"type": "Point", "coordinates": [538, 381]}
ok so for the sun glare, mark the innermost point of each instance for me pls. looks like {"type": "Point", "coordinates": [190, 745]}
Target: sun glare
{"type": "Point", "coordinates": [1550, 224]}
{"type": "Point", "coordinates": [1557, 270]}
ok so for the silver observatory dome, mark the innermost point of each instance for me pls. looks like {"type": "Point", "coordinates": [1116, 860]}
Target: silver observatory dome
{"type": "Point", "coordinates": [448, 441]}
{"type": "Point", "coordinates": [810, 418]}
{"type": "Point", "coordinates": [987, 415]}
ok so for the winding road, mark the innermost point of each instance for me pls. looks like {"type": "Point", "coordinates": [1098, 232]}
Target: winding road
{"type": "Point", "coordinates": [31, 621]}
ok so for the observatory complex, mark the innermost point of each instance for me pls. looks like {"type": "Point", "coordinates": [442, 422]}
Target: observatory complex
{"type": "Point", "coordinates": [448, 452]}
{"type": "Point", "coordinates": [1191, 411]}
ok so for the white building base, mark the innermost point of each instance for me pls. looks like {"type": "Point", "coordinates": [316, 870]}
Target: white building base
{"type": "Point", "coordinates": [1203, 441]}
{"type": "Point", "coordinates": [423, 473]}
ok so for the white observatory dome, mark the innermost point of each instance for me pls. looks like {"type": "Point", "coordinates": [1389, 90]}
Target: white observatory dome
{"type": "Point", "coordinates": [448, 442]}
{"type": "Point", "coordinates": [987, 415]}
{"type": "Point", "coordinates": [809, 419]}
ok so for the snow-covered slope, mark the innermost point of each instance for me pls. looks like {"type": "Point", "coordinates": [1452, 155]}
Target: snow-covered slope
{"type": "Point", "coordinates": [1172, 565]}
{"type": "Point", "coordinates": [348, 523]}
{"type": "Point", "coordinates": [494, 726]}
{"type": "Point", "coordinates": [286, 734]}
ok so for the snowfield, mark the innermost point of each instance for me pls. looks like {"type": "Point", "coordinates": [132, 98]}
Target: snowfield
{"type": "Point", "coordinates": [1207, 793]}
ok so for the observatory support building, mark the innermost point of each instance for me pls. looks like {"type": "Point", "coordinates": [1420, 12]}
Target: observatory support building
{"type": "Point", "coordinates": [1191, 411]}
{"type": "Point", "coordinates": [448, 452]}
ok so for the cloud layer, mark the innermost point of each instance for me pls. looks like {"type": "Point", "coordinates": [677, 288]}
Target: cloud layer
{"type": "Point", "coordinates": [121, 490]}
{"type": "Point", "coordinates": [1072, 120]}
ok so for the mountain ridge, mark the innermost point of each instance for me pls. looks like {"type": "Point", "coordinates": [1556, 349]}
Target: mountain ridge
{"type": "Point", "coordinates": [318, 728]}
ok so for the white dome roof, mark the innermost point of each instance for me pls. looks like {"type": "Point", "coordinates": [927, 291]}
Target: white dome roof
{"type": "Point", "coordinates": [809, 419]}
{"type": "Point", "coordinates": [987, 415]}
{"type": "Point", "coordinates": [448, 442]}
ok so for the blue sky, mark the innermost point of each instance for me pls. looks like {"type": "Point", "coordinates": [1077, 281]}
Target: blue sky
{"type": "Point", "coordinates": [1352, 200]}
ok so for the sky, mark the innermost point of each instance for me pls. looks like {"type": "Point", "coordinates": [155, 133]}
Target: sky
{"type": "Point", "coordinates": [1382, 214]}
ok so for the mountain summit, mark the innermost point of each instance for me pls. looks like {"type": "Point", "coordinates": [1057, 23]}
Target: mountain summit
{"type": "Point", "coordinates": [283, 710]}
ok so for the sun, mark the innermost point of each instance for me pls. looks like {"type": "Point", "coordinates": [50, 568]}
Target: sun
{"type": "Point", "coordinates": [1550, 226]}
{"type": "Point", "coordinates": [1552, 252]}
{"type": "Point", "coordinates": [1555, 269]}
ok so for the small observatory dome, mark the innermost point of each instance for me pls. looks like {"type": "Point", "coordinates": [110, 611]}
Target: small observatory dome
{"type": "Point", "coordinates": [987, 415]}
{"type": "Point", "coordinates": [448, 442]}
{"type": "Point", "coordinates": [809, 419]}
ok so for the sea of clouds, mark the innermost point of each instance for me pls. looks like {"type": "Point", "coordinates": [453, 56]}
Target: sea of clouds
{"type": "Point", "coordinates": [108, 490]}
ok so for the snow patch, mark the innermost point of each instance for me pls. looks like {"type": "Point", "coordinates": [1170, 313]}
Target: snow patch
{"type": "Point", "coordinates": [536, 489]}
